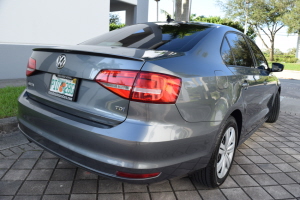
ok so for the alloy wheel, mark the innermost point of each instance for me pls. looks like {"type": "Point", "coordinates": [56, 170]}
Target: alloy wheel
{"type": "Point", "coordinates": [226, 152]}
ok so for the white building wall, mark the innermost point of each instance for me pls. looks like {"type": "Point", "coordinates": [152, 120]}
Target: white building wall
{"type": "Point", "coordinates": [298, 47]}
{"type": "Point", "coordinates": [14, 59]}
{"type": "Point", "coordinates": [152, 8]}
{"type": "Point", "coordinates": [133, 2]}
{"type": "Point", "coordinates": [146, 11]}
{"type": "Point", "coordinates": [52, 21]}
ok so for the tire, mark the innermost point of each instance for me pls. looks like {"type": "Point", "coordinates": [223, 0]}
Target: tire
{"type": "Point", "coordinates": [214, 174]}
{"type": "Point", "coordinates": [274, 113]}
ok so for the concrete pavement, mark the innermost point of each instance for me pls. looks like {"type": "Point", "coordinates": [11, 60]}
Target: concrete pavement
{"type": "Point", "coordinates": [266, 166]}
{"type": "Point", "coordinates": [288, 74]}
{"type": "Point", "coordinates": [12, 82]}
{"type": "Point", "coordinates": [290, 96]}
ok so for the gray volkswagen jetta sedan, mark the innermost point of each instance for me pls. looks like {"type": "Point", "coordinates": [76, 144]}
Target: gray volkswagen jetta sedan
{"type": "Point", "coordinates": [150, 102]}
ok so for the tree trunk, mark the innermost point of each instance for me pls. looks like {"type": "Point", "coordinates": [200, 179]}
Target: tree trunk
{"type": "Point", "coordinates": [182, 10]}
{"type": "Point", "coordinates": [298, 47]}
{"type": "Point", "coordinates": [272, 50]}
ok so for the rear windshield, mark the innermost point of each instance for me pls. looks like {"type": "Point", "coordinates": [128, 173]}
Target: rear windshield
{"type": "Point", "coordinates": [170, 37]}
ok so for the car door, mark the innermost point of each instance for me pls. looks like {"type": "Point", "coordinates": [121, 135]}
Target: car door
{"type": "Point", "coordinates": [250, 79]}
{"type": "Point", "coordinates": [268, 80]}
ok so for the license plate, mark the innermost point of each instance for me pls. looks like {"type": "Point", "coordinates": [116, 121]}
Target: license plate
{"type": "Point", "coordinates": [63, 87]}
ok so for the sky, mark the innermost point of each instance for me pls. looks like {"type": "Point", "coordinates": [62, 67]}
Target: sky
{"type": "Point", "coordinates": [283, 41]}
{"type": "Point", "coordinates": [206, 8]}
{"type": "Point", "coordinates": [199, 7]}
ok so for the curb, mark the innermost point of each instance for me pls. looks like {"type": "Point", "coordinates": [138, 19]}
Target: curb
{"type": "Point", "coordinates": [8, 125]}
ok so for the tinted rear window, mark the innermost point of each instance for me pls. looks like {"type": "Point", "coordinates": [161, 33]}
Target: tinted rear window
{"type": "Point", "coordinates": [170, 37]}
{"type": "Point", "coordinates": [260, 58]}
{"type": "Point", "coordinates": [240, 50]}
{"type": "Point", "coordinates": [226, 53]}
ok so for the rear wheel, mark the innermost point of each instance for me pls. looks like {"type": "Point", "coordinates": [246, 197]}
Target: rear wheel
{"type": "Point", "coordinates": [274, 113]}
{"type": "Point", "coordinates": [217, 170]}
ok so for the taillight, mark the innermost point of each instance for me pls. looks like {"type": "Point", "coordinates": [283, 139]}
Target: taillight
{"type": "Point", "coordinates": [119, 82]}
{"type": "Point", "coordinates": [31, 66]}
{"type": "Point", "coordinates": [137, 176]}
{"type": "Point", "coordinates": [156, 88]}
{"type": "Point", "coordinates": [141, 86]}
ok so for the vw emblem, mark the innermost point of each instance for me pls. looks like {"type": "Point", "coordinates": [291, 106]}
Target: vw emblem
{"type": "Point", "coordinates": [61, 61]}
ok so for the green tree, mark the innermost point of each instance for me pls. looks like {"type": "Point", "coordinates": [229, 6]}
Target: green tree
{"type": "Point", "coordinates": [278, 52]}
{"type": "Point", "coordinates": [264, 16]}
{"type": "Point", "coordinates": [292, 20]}
{"type": "Point", "coordinates": [224, 21]}
{"type": "Point", "coordinates": [291, 51]}
{"type": "Point", "coordinates": [114, 18]}
{"type": "Point", "coordinates": [193, 17]}
{"type": "Point", "coordinates": [114, 22]}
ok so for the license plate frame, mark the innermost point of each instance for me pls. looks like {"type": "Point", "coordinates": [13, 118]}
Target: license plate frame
{"type": "Point", "coordinates": [64, 87]}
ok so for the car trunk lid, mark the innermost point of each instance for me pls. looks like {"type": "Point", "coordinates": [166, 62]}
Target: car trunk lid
{"type": "Point", "coordinates": [91, 101]}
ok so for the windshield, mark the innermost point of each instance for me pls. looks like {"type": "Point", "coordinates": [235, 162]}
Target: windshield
{"type": "Point", "coordinates": [170, 37]}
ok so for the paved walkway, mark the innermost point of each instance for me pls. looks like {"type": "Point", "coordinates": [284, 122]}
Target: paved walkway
{"type": "Point", "coordinates": [266, 166]}
{"type": "Point", "coordinates": [12, 82]}
{"type": "Point", "coordinates": [288, 74]}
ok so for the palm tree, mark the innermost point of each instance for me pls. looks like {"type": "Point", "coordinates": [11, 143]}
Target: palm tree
{"type": "Point", "coordinates": [182, 10]}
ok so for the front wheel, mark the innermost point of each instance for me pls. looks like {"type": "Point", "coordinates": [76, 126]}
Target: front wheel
{"type": "Point", "coordinates": [217, 170]}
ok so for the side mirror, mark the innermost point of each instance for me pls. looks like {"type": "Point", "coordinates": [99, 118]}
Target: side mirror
{"type": "Point", "coordinates": [277, 67]}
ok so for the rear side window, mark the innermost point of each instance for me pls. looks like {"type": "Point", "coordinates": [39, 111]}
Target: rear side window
{"type": "Point", "coordinates": [260, 58]}
{"type": "Point", "coordinates": [226, 53]}
{"type": "Point", "coordinates": [240, 50]}
{"type": "Point", "coordinates": [170, 37]}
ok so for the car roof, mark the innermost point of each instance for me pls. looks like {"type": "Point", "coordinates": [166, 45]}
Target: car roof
{"type": "Point", "coordinates": [183, 22]}
{"type": "Point", "coordinates": [211, 25]}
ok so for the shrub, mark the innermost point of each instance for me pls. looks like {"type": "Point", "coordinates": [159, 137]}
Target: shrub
{"type": "Point", "coordinates": [283, 58]}
{"type": "Point", "coordinates": [115, 26]}
{"type": "Point", "coordinates": [292, 60]}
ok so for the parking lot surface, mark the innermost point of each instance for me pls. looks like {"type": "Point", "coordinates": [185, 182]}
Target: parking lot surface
{"type": "Point", "coordinates": [266, 166]}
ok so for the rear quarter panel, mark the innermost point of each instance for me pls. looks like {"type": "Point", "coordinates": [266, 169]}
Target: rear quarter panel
{"type": "Point", "coordinates": [209, 89]}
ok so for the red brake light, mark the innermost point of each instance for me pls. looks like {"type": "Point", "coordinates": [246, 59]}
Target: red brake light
{"type": "Point", "coordinates": [119, 82]}
{"type": "Point", "coordinates": [130, 175]}
{"type": "Point", "coordinates": [31, 66]}
{"type": "Point", "coordinates": [141, 86]}
{"type": "Point", "coordinates": [156, 88]}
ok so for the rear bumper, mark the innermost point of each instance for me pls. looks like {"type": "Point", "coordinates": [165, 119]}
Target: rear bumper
{"type": "Point", "coordinates": [133, 146]}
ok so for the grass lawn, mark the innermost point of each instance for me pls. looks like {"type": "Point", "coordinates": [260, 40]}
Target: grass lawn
{"type": "Point", "coordinates": [290, 66]}
{"type": "Point", "coordinates": [8, 101]}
